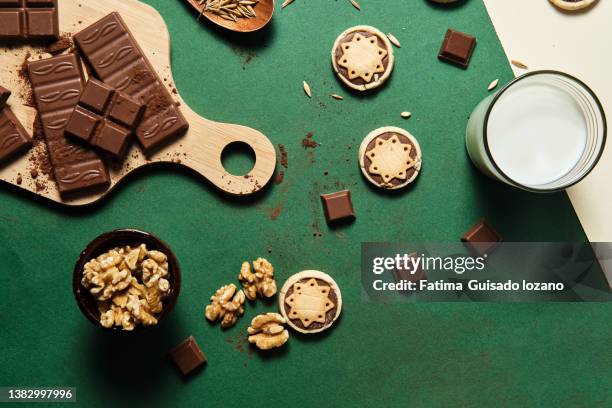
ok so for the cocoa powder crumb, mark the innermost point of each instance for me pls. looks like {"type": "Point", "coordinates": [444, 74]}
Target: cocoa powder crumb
{"type": "Point", "coordinates": [61, 45]}
{"type": "Point", "coordinates": [19, 179]}
{"type": "Point", "coordinates": [307, 142]}
{"type": "Point", "coordinates": [275, 213]}
{"type": "Point", "coordinates": [34, 173]}
{"type": "Point", "coordinates": [279, 177]}
{"type": "Point", "coordinates": [283, 152]}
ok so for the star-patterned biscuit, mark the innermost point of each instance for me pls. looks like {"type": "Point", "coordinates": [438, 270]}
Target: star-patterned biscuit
{"type": "Point", "coordinates": [309, 302]}
{"type": "Point", "coordinates": [390, 159]}
{"type": "Point", "coordinates": [362, 57]}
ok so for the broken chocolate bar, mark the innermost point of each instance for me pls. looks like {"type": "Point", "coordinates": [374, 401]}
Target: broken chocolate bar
{"type": "Point", "coordinates": [457, 48]}
{"type": "Point", "coordinates": [338, 206]}
{"type": "Point", "coordinates": [13, 136]}
{"type": "Point", "coordinates": [28, 19]}
{"type": "Point", "coordinates": [116, 59]}
{"type": "Point", "coordinates": [104, 118]}
{"type": "Point", "coordinates": [481, 238]}
{"type": "Point", "coordinates": [57, 83]}
{"type": "Point", "coordinates": [188, 356]}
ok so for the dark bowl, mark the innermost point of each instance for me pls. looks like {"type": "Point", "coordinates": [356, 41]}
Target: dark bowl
{"type": "Point", "coordinates": [105, 242]}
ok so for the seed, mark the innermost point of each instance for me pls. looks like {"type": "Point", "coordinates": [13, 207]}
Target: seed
{"type": "Point", "coordinates": [394, 40]}
{"type": "Point", "coordinates": [518, 64]}
{"type": "Point", "coordinates": [286, 3]}
{"type": "Point", "coordinates": [355, 4]}
{"type": "Point", "coordinates": [336, 96]}
{"type": "Point", "coordinates": [230, 10]}
{"type": "Point", "coordinates": [405, 115]}
{"type": "Point", "coordinates": [493, 85]}
{"type": "Point", "coordinates": [307, 89]}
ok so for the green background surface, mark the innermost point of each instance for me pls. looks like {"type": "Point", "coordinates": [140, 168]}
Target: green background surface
{"type": "Point", "coordinates": [383, 355]}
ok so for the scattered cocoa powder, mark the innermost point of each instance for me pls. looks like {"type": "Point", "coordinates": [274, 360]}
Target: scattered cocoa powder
{"type": "Point", "coordinates": [307, 142]}
{"type": "Point", "coordinates": [39, 158]}
{"type": "Point", "coordinates": [34, 173]}
{"type": "Point", "coordinates": [279, 177]}
{"type": "Point", "coordinates": [140, 75]}
{"type": "Point", "coordinates": [19, 179]}
{"type": "Point", "coordinates": [157, 103]}
{"type": "Point", "coordinates": [283, 152]}
{"type": "Point", "coordinates": [276, 212]}
{"type": "Point", "coordinates": [25, 90]}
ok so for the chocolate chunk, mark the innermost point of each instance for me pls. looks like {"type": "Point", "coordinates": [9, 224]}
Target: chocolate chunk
{"type": "Point", "coordinates": [116, 59]}
{"type": "Point", "coordinates": [104, 118]}
{"type": "Point", "coordinates": [28, 19]}
{"type": "Point", "coordinates": [57, 83]}
{"type": "Point", "coordinates": [4, 95]}
{"type": "Point", "coordinates": [187, 356]}
{"type": "Point", "coordinates": [457, 48]}
{"type": "Point", "coordinates": [14, 138]}
{"type": "Point", "coordinates": [338, 206]}
{"type": "Point", "coordinates": [481, 238]}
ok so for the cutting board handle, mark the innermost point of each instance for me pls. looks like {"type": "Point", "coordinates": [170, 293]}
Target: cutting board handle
{"type": "Point", "coordinates": [213, 137]}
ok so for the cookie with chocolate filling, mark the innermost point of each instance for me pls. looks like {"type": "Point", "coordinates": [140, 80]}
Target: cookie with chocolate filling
{"type": "Point", "coordinates": [310, 301]}
{"type": "Point", "coordinates": [362, 57]}
{"type": "Point", "coordinates": [390, 158]}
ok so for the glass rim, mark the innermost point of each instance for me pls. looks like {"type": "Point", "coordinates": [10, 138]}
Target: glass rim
{"type": "Point", "coordinates": [508, 86]}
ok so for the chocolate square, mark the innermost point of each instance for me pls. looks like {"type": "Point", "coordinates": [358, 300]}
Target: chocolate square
{"type": "Point", "coordinates": [481, 238]}
{"type": "Point", "coordinates": [187, 356]}
{"type": "Point", "coordinates": [42, 23]}
{"type": "Point", "coordinates": [11, 23]}
{"type": "Point", "coordinates": [112, 138]}
{"type": "Point", "coordinates": [338, 206]}
{"type": "Point", "coordinates": [96, 96]}
{"type": "Point", "coordinates": [126, 110]}
{"type": "Point", "coordinates": [82, 124]}
{"type": "Point", "coordinates": [406, 274]}
{"type": "Point", "coordinates": [457, 48]}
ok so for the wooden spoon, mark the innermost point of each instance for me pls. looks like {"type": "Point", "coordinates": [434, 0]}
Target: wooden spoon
{"type": "Point", "coordinates": [263, 10]}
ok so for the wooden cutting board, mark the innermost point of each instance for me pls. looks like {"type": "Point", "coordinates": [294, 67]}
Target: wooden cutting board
{"type": "Point", "coordinates": [199, 149]}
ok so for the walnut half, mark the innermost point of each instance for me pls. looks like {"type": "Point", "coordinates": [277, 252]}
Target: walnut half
{"type": "Point", "coordinates": [226, 305]}
{"type": "Point", "coordinates": [267, 331]}
{"type": "Point", "coordinates": [262, 281]}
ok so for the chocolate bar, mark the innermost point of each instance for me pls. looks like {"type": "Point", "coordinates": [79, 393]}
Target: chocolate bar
{"type": "Point", "coordinates": [57, 83]}
{"type": "Point", "coordinates": [116, 59]}
{"type": "Point", "coordinates": [28, 19]}
{"type": "Point", "coordinates": [104, 118]}
{"type": "Point", "coordinates": [13, 136]}
{"type": "Point", "coordinates": [188, 356]}
{"type": "Point", "coordinates": [457, 48]}
{"type": "Point", "coordinates": [338, 206]}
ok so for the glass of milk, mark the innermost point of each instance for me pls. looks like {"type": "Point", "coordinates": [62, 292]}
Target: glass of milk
{"type": "Point", "coordinates": [543, 132]}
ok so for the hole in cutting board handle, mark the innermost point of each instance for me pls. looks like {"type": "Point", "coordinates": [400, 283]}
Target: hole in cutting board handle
{"type": "Point", "coordinates": [238, 158]}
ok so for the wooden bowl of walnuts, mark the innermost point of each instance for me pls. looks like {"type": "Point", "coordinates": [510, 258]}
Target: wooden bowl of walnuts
{"type": "Point", "coordinates": [126, 281]}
